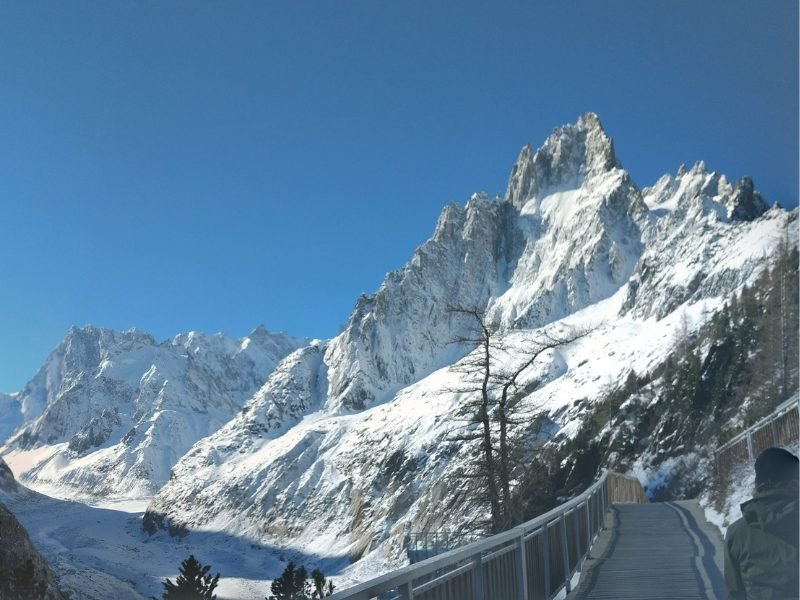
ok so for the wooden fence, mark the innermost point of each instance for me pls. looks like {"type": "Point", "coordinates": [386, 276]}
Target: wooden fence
{"type": "Point", "coordinates": [622, 488]}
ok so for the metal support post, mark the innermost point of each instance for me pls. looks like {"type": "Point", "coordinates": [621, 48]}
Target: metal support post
{"type": "Point", "coordinates": [749, 445]}
{"type": "Point", "coordinates": [565, 553]}
{"type": "Point", "coordinates": [522, 568]}
{"type": "Point", "coordinates": [589, 535]}
{"type": "Point", "coordinates": [546, 559]}
{"type": "Point", "coordinates": [406, 591]}
{"type": "Point", "coordinates": [477, 578]}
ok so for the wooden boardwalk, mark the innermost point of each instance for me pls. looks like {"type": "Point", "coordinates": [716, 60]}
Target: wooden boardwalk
{"type": "Point", "coordinates": [656, 551]}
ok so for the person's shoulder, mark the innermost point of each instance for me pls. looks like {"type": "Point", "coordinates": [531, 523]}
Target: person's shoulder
{"type": "Point", "coordinates": [735, 530]}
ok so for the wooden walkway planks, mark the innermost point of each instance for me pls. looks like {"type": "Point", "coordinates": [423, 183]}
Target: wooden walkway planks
{"type": "Point", "coordinates": [657, 552]}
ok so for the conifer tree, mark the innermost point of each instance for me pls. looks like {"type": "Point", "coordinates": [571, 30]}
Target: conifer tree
{"type": "Point", "coordinates": [322, 587]}
{"type": "Point", "coordinates": [291, 585]}
{"type": "Point", "coordinates": [193, 583]}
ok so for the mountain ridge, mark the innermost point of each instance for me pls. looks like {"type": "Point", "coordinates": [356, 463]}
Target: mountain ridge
{"type": "Point", "coordinates": [122, 404]}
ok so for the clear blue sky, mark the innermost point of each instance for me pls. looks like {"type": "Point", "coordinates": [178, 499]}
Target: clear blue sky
{"type": "Point", "coordinates": [216, 165]}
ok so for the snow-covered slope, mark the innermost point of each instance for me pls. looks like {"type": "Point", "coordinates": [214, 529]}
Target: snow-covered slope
{"type": "Point", "coordinates": [345, 448]}
{"type": "Point", "coordinates": [110, 412]}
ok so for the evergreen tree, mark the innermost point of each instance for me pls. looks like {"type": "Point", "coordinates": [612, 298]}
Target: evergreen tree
{"type": "Point", "coordinates": [322, 587]}
{"type": "Point", "coordinates": [193, 583]}
{"type": "Point", "coordinates": [291, 585]}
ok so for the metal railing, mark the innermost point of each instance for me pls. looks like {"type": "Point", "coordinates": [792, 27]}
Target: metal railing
{"type": "Point", "coordinates": [427, 544]}
{"type": "Point", "coordinates": [778, 429]}
{"type": "Point", "coordinates": [533, 561]}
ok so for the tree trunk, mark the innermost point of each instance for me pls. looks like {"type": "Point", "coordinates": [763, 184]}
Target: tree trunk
{"type": "Point", "coordinates": [494, 498]}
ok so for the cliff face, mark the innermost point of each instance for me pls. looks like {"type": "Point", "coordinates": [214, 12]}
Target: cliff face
{"type": "Point", "coordinates": [24, 573]}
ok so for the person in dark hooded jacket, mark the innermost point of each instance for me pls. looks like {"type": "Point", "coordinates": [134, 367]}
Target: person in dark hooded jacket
{"type": "Point", "coordinates": [761, 557]}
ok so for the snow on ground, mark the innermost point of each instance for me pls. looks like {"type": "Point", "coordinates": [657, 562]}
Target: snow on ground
{"type": "Point", "coordinates": [740, 491]}
{"type": "Point", "coordinates": [21, 461]}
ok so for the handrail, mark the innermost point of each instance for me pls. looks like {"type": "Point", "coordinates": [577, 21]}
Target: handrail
{"type": "Point", "coordinates": [779, 410]}
{"type": "Point", "coordinates": [527, 555]}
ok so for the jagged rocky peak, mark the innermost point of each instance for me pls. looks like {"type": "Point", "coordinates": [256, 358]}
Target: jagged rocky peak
{"type": "Point", "coordinates": [570, 155]}
{"type": "Point", "coordinates": [81, 350]}
{"type": "Point", "coordinates": [745, 203]}
{"type": "Point", "coordinates": [567, 235]}
{"type": "Point", "coordinates": [698, 190]}
{"type": "Point", "coordinates": [120, 402]}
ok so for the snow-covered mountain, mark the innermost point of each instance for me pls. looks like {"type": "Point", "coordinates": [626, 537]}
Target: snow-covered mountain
{"type": "Point", "coordinates": [339, 448]}
{"type": "Point", "coordinates": [345, 448]}
{"type": "Point", "coordinates": [110, 412]}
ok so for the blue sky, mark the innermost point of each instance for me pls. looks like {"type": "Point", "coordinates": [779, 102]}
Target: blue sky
{"type": "Point", "coordinates": [212, 166]}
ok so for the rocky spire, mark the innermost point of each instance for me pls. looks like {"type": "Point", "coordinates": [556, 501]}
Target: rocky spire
{"type": "Point", "coordinates": [746, 203]}
{"type": "Point", "coordinates": [570, 155]}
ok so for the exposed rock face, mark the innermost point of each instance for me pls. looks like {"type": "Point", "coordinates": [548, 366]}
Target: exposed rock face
{"type": "Point", "coordinates": [572, 154]}
{"type": "Point", "coordinates": [405, 330]}
{"type": "Point", "coordinates": [7, 481]}
{"type": "Point", "coordinates": [117, 409]}
{"type": "Point", "coordinates": [24, 573]}
{"type": "Point", "coordinates": [746, 204]}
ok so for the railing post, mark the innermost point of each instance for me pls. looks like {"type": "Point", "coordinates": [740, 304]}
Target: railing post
{"type": "Point", "coordinates": [406, 591]}
{"type": "Point", "coordinates": [565, 553]}
{"type": "Point", "coordinates": [598, 509]}
{"type": "Point", "coordinates": [749, 445]}
{"type": "Point", "coordinates": [522, 567]}
{"type": "Point", "coordinates": [589, 535]}
{"type": "Point", "coordinates": [546, 561]}
{"type": "Point", "coordinates": [477, 577]}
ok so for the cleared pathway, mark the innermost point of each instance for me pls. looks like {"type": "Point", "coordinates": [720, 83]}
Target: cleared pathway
{"type": "Point", "coordinates": [656, 551]}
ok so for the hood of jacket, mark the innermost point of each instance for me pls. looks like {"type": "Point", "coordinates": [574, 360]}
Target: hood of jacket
{"type": "Point", "coordinates": [775, 511]}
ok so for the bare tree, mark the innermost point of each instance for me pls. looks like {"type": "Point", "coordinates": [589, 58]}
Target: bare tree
{"type": "Point", "coordinates": [493, 371]}
{"type": "Point", "coordinates": [479, 363]}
